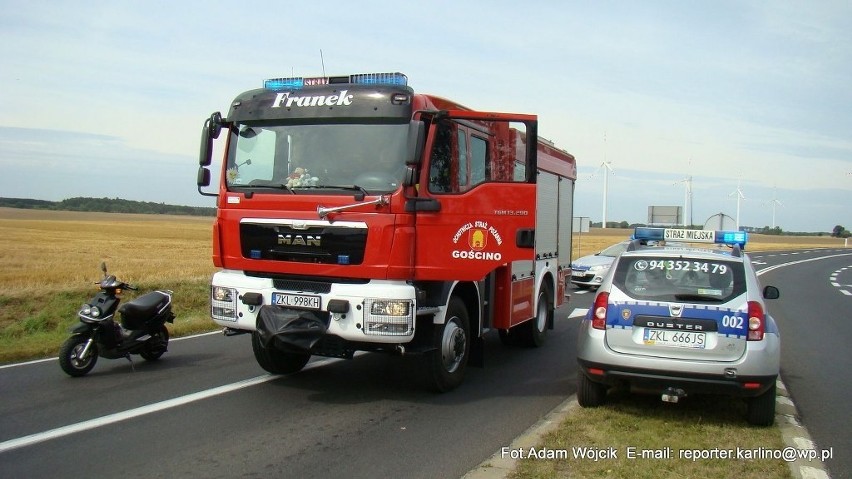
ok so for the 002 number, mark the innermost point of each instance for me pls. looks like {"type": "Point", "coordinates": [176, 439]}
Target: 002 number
{"type": "Point", "coordinates": [735, 322]}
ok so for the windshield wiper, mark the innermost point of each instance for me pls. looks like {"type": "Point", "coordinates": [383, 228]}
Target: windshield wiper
{"type": "Point", "coordinates": [363, 192]}
{"type": "Point", "coordinates": [267, 185]}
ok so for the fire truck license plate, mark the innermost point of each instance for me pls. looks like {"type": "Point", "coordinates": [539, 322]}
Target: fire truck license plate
{"type": "Point", "coordinates": [296, 300]}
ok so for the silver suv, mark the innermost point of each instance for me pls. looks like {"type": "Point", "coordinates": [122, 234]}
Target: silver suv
{"type": "Point", "coordinates": [680, 320]}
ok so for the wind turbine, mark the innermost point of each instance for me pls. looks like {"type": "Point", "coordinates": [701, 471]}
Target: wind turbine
{"type": "Point", "coordinates": [607, 166]}
{"type": "Point", "coordinates": [775, 203]}
{"type": "Point", "coordinates": [740, 196]}
{"type": "Point", "coordinates": [687, 199]}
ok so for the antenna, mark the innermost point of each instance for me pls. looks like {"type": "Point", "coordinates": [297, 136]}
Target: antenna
{"type": "Point", "coordinates": [322, 61]}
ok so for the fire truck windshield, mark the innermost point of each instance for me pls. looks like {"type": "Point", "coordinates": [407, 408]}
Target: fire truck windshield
{"type": "Point", "coordinates": [314, 157]}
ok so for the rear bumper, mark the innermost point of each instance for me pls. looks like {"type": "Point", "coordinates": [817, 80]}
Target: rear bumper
{"type": "Point", "coordinates": [691, 383]}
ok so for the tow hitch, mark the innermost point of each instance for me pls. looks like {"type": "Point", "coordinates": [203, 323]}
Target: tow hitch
{"type": "Point", "coordinates": [673, 395]}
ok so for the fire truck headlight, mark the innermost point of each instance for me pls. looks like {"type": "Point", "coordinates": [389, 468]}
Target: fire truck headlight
{"type": "Point", "coordinates": [224, 304]}
{"type": "Point", "coordinates": [388, 317]}
{"type": "Point", "coordinates": [223, 294]}
{"type": "Point", "coordinates": [390, 308]}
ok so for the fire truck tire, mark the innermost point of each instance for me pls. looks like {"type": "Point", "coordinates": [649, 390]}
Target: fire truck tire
{"type": "Point", "coordinates": [534, 331]}
{"type": "Point", "coordinates": [447, 363]}
{"type": "Point", "coordinates": [275, 361]}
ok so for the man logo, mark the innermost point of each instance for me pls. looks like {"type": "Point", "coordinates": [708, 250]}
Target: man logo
{"type": "Point", "coordinates": [300, 240]}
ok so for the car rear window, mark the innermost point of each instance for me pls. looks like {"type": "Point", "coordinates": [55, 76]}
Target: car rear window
{"type": "Point", "coordinates": [666, 278]}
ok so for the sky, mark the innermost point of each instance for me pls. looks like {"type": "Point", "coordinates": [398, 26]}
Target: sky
{"type": "Point", "coordinates": [107, 98]}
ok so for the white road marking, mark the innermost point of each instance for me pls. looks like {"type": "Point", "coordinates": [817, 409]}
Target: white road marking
{"type": "Point", "coordinates": [142, 410]}
{"type": "Point", "coordinates": [578, 312]}
{"type": "Point", "coordinates": [171, 340]}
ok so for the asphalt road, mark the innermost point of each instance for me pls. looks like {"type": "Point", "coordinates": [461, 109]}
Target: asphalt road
{"type": "Point", "coordinates": [368, 417]}
{"type": "Point", "coordinates": [814, 314]}
{"type": "Point", "coordinates": [207, 410]}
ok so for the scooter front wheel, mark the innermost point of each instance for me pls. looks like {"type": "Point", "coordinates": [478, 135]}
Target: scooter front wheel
{"type": "Point", "coordinates": [71, 357]}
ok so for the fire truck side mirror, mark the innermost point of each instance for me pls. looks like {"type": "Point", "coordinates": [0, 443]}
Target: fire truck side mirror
{"type": "Point", "coordinates": [416, 140]}
{"type": "Point", "coordinates": [203, 177]}
{"type": "Point", "coordinates": [211, 130]}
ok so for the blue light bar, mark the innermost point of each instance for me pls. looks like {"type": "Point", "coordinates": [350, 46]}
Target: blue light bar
{"type": "Point", "coordinates": [380, 79]}
{"type": "Point", "coordinates": [730, 238]}
{"type": "Point", "coordinates": [297, 83]}
{"type": "Point", "coordinates": [294, 83]}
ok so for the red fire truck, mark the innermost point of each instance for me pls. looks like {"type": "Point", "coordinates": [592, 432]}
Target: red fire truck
{"type": "Point", "coordinates": [357, 215]}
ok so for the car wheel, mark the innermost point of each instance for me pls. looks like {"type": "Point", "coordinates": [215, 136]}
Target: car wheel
{"type": "Point", "coordinates": [761, 409]}
{"type": "Point", "coordinates": [589, 393]}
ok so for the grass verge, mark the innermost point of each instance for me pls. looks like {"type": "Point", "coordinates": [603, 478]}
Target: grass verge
{"type": "Point", "coordinates": [701, 436]}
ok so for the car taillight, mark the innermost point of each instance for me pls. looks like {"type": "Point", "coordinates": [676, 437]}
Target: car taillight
{"type": "Point", "coordinates": [756, 321]}
{"type": "Point", "coordinates": [599, 311]}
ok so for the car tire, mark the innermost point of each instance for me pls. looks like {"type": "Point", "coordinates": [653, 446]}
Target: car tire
{"type": "Point", "coordinates": [761, 409]}
{"type": "Point", "coordinates": [589, 393]}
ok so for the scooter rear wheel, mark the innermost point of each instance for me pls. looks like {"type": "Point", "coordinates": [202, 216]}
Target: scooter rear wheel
{"type": "Point", "coordinates": [69, 356]}
{"type": "Point", "coordinates": [156, 345]}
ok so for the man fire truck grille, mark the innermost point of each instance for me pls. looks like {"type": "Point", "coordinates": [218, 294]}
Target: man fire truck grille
{"type": "Point", "coordinates": [306, 286]}
{"type": "Point", "coordinates": [323, 244]}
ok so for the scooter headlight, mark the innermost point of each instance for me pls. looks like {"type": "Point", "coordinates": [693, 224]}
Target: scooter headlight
{"type": "Point", "coordinates": [95, 312]}
{"type": "Point", "coordinates": [86, 309]}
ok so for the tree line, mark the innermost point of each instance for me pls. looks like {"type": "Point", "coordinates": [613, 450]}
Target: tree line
{"type": "Point", "coordinates": [108, 205]}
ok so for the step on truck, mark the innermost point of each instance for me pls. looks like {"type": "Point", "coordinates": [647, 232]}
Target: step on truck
{"type": "Point", "coordinates": [354, 214]}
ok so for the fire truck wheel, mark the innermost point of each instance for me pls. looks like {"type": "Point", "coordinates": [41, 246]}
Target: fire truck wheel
{"type": "Point", "coordinates": [534, 331]}
{"type": "Point", "coordinates": [448, 361]}
{"type": "Point", "coordinates": [275, 361]}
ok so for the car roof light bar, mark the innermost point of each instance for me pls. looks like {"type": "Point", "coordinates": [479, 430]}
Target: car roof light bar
{"type": "Point", "coordinates": [725, 237]}
{"type": "Point", "coordinates": [297, 83]}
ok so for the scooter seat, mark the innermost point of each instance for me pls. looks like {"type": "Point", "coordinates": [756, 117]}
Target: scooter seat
{"type": "Point", "coordinates": [135, 313]}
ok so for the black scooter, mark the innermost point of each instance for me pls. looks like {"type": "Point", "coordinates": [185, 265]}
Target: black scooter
{"type": "Point", "coordinates": [142, 330]}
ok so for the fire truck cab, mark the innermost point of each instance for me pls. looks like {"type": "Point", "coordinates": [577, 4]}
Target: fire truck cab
{"type": "Point", "coordinates": [354, 214]}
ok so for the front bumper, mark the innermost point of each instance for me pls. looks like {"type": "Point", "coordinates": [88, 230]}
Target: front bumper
{"type": "Point", "coordinates": [587, 278]}
{"type": "Point", "coordinates": [347, 310]}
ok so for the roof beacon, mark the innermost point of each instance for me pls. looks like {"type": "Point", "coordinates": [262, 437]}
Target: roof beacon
{"type": "Point", "coordinates": [729, 238]}
{"type": "Point", "coordinates": [297, 83]}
